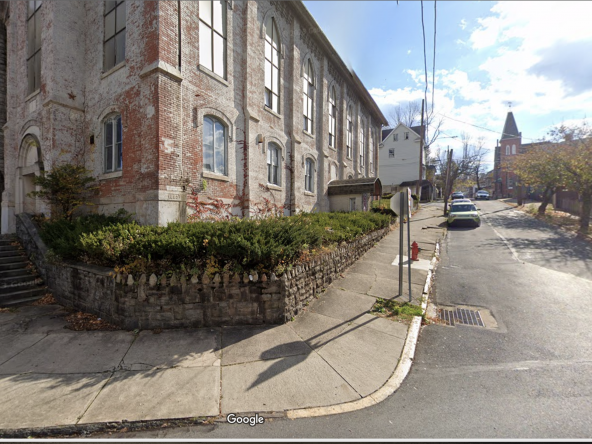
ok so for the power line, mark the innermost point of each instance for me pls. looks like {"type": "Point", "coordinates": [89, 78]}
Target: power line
{"type": "Point", "coordinates": [425, 64]}
{"type": "Point", "coordinates": [487, 129]}
{"type": "Point", "coordinates": [434, 61]}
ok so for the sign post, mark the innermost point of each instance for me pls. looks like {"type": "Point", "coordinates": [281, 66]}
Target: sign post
{"type": "Point", "coordinates": [401, 217]}
{"type": "Point", "coordinates": [409, 203]}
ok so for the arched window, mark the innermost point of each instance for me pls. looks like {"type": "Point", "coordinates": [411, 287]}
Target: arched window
{"type": "Point", "coordinates": [114, 37]}
{"type": "Point", "coordinates": [272, 66]}
{"type": "Point", "coordinates": [212, 36]}
{"type": "Point", "coordinates": [307, 97]}
{"type": "Point", "coordinates": [332, 117]}
{"type": "Point", "coordinates": [34, 45]}
{"type": "Point", "coordinates": [513, 149]}
{"type": "Point", "coordinates": [350, 131]}
{"type": "Point", "coordinates": [371, 155]}
{"type": "Point", "coordinates": [309, 176]}
{"type": "Point", "coordinates": [507, 150]}
{"type": "Point", "coordinates": [113, 143]}
{"type": "Point", "coordinates": [362, 140]}
{"type": "Point", "coordinates": [273, 164]}
{"type": "Point", "coordinates": [214, 146]}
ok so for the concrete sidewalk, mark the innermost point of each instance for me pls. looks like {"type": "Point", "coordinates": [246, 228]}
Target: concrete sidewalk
{"type": "Point", "coordinates": [334, 357]}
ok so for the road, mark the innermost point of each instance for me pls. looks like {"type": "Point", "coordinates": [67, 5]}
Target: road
{"type": "Point", "coordinates": [530, 377]}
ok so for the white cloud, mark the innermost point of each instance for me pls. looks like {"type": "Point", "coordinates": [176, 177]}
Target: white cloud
{"type": "Point", "coordinates": [463, 24]}
{"type": "Point", "coordinates": [408, 51]}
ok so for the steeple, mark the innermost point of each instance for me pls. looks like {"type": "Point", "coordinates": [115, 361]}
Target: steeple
{"type": "Point", "coordinates": [510, 129]}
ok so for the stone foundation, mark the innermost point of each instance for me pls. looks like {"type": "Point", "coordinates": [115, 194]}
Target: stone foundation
{"type": "Point", "coordinates": [188, 301]}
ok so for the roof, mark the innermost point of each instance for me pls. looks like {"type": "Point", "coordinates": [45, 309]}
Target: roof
{"type": "Point", "coordinates": [353, 186]}
{"type": "Point", "coordinates": [415, 129]}
{"type": "Point", "coordinates": [348, 74]}
{"type": "Point", "coordinates": [510, 129]}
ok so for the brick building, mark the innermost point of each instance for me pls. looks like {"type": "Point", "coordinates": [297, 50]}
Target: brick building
{"type": "Point", "coordinates": [247, 102]}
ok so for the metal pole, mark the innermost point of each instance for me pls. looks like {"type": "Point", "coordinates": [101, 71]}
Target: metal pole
{"type": "Point", "coordinates": [401, 216]}
{"type": "Point", "coordinates": [409, 246]}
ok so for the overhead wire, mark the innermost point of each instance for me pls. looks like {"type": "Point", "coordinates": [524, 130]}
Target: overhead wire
{"type": "Point", "coordinates": [483, 128]}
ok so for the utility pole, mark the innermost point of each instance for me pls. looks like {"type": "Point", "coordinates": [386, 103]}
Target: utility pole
{"type": "Point", "coordinates": [421, 133]}
{"type": "Point", "coordinates": [446, 192]}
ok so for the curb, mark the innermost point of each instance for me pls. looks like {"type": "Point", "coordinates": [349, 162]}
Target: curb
{"type": "Point", "coordinates": [398, 376]}
{"type": "Point", "coordinates": [391, 385]}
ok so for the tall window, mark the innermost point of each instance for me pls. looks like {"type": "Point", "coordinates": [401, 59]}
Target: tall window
{"type": "Point", "coordinates": [113, 147]}
{"type": "Point", "coordinates": [114, 40]}
{"type": "Point", "coordinates": [307, 97]}
{"type": "Point", "coordinates": [371, 154]}
{"type": "Point", "coordinates": [309, 176]}
{"type": "Point", "coordinates": [332, 116]}
{"type": "Point", "coordinates": [212, 36]}
{"type": "Point", "coordinates": [214, 146]}
{"type": "Point", "coordinates": [272, 66]}
{"type": "Point", "coordinates": [34, 45]}
{"type": "Point", "coordinates": [395, 137]}
{"type": "Point", "coordinates": [273, 164]}
{"type": "Point", "coordinates": [507, 150]}
{"type": "Point", "coordinates": [350, 132]}
{"type": "Point", "coordinates": [362, 143]}
{"type": "Point", "coordinates": [513, 149]}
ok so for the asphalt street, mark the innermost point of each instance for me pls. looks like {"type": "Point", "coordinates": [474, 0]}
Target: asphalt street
{"type": "Point", "coordinates": [528, 375]}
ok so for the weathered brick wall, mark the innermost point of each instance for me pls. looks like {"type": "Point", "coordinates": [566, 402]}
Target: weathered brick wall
{"type": "Point", "coordinates": [189, 301]}
{"type": "Point", "coordinates": [162, 104]}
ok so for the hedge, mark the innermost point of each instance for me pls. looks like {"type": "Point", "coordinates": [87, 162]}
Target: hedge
{"type": "Point", "coordinates": [266, 245]}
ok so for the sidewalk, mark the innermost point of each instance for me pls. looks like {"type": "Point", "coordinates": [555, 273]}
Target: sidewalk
{"type": "Point", "coordinates": [334, 357]}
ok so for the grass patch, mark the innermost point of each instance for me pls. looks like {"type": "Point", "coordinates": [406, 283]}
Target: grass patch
{"type": "Point", "coordinates": [554, 217]}
{"type": "Point", "coordinates": [402, 311]}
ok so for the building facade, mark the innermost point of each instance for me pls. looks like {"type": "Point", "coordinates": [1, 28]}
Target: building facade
{"type": "Point", "coordinates": [400, 155]}
{"type": "Point", "coordinates": [510, 144]}
{"type": "Point", "coordinates": [244, 103]}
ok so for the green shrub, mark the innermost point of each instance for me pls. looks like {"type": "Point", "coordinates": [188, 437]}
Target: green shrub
{"type": "Point", "coordinates": [267, 245]}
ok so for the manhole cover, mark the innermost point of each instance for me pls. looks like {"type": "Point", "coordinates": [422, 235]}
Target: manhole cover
{"type": "Point", "coordinates": [460, 316]}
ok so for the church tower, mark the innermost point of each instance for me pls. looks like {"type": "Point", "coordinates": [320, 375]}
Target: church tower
{"type": "Point", "coordinates": [509, 145]}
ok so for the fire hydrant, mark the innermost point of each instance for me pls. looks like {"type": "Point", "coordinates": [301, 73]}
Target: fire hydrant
{"type": "Point", "coordinates": [414, 251]}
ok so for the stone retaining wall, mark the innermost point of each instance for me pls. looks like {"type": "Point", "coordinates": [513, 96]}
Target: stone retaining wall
{"type": "Point", "coordinates": [188, 301]}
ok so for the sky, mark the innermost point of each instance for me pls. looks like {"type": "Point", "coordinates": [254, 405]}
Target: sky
{"type": "Point", "coordinates": [531, 58]}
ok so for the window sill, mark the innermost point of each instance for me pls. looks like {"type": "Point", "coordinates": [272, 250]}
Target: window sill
{"type": "Point", "coordinates": [213, 75]}
{"type": "Point", "coordinates": [33, 95]}
{"type": "Point", "coordinates": [306, 133]}
{"type": "Point", "coordinates": [113, 175]}
{"type": "Point", "coordinates": [332, 148]}
{"type": "Point", "coordinates": [112, 70]}
{"type": "Point", "coordinates": [272, 112]}
{"type": "Point", "coordinates": [274, 187]}
{"type": "Point", "coordinates": [215, 176]}
{"type": "Point", "coordinates": [308, 193]}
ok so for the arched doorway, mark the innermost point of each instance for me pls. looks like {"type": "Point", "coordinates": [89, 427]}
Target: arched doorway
{"type": "Point", "coordinates": [30, 164]}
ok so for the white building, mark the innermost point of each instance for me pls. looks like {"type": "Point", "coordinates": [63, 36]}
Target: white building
{"type": "Point", "coordinates": [399, 158]}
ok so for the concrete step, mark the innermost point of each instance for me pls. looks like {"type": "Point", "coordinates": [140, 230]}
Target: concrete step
{"type": "Point", "coordinates": [4, 274]}
{"type": "Point", "coordinates": [13, 260]}
{"type": "Point", "coordinates": [11, 280]}
{"type": "Point", "coordinates": [22, 296]}
{"type": "Point", "coordinates": [20, 265]}
{"type": "Point", "coordinates": [11, 248]}
{"type": "Point", "coordinates": [12, 252]}
{"type": "Point", "coordinates": [19, 286]}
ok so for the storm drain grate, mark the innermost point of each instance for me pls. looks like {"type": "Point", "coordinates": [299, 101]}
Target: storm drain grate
{"type": "Point", "coordinates": [460, 316]}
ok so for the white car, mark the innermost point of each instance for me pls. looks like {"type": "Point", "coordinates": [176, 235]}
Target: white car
{"type": "Point", "coordinates": [482, 194]}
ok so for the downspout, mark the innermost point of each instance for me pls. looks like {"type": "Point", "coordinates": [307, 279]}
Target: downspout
{"type": "Point", "coordinates": [246, 195]}
{"type": "Point", "coordinates": [183, 209]}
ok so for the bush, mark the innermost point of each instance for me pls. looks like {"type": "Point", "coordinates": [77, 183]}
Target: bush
{"type": "Point", "coordinates": [266, 245]}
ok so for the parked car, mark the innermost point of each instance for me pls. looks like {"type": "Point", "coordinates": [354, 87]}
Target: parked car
{"type": "Point", "coordinates": [482, 194]}
{"type": "Point", "coordinates": [457, 195]}
{"type": "Point", "coordinates": [463, 212]}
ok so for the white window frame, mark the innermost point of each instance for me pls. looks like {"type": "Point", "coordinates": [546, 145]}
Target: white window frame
{"type": "Point", "coordinates": [33, 46]}
{"type": "Point", "coordinates": [507, 150]}
{"type": "Point", "coordinates": [396, 137]}
{"type": "Point", "coordinates": [350, 132]}
{"type": "Point", "coordinates": [217, 148]}
{"type": "Point", "coordinates": [308, 98]}
{"type": "Point", "coordinates": [406, 134]}
{"type": "Point", "coordinates": [274, 162]}
{"type": "Point", "coordinates": [391, 153]}
{"type": "Point", "coordinates": [212, 36]}
{"type": "Point", "coordinates": [112, 147]}
{"type": "Point", "coordinates": [272, 66]}
{"type": "Point", "coordinates": [362, 143]}
{"type": "Point", "coordinates": [332, 117]}
{"type": "Point", "coordinates": [309, 169]}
